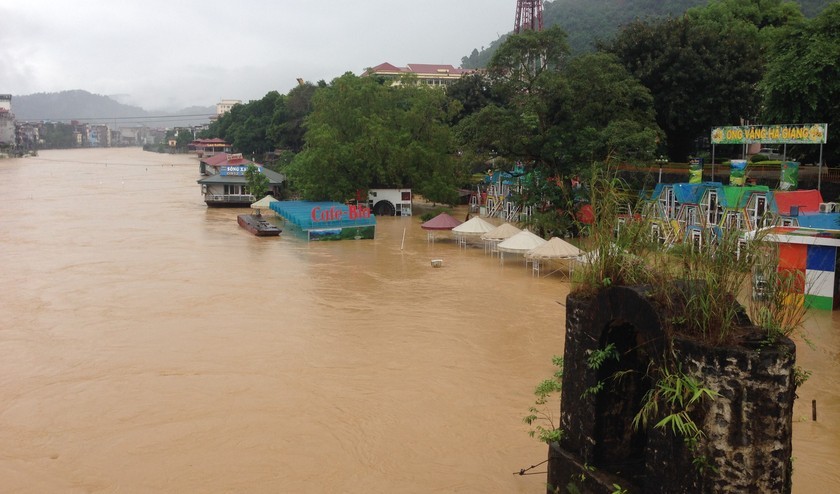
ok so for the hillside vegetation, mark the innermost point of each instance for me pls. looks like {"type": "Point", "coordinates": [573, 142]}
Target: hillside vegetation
{"type": "Point", "coordinates": [588, 21]}
{"type": "Point", "coordinates": [95, 108]}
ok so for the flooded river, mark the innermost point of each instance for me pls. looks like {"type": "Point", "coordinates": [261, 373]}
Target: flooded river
{"type": "Point", "coordinates": [150, 344]}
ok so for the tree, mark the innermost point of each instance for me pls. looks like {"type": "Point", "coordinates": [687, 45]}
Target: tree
{"type": "Point", "coordinates": [527, 87]}
{"type": "Point", "coordinates": [286, 128]}
{"type": "Point", "coordinates": [365, 133]}
{"type": "Point", "coordinates": [802, 84]}
{"type": "Point", "coordinates": [183, 138]}
{"type": "Point", "coordinates": [699, 75]}
{"type": "Point", "coordinates": [246, 126]}
{"type": "Point", "coordinates": [257, 182]}
{"type": "Point", "coordinates": [613, 115]}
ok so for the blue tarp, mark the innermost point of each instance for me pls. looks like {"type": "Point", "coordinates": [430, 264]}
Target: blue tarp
{"type": "Point", "coordinates": [308, 215]}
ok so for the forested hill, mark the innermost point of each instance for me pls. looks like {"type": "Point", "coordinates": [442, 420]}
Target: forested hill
{"type": "Point", "coordinates": [587, 21]}
{"type": "Point", "coordinates": [95, 108]}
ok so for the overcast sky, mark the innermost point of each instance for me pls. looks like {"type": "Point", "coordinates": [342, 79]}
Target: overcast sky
{"type": "Point", "coordinates": [165, 54]}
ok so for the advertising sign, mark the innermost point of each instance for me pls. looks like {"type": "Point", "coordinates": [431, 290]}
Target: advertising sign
{"type": "Point", "coordinates": [235, 170]}
{"type": "Point", "coordinates": [771, 134]}
{"type": "Point", "coordinates": [738, 172]}
{"type": "Point", "coordinates": [790, 175]}
{"type": "Point", "coordinates": [695, 170]}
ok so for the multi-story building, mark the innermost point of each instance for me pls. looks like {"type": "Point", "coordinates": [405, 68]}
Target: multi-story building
{"type": "Point", "coordinates": [7, 121]}
{"type": "Point", "coordinates": [428, 74]}
{"type": "Point", "coordinates": [225, 106]}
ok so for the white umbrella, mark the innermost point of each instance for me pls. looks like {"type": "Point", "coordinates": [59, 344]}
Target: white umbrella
{"type": "Point", "coordinates": [264, 203]}
{"type": "Point", "coordinates": [498, 234]}
{"type": "Point", "coordinates": [473, 227]}
{"type": "Point", "coordinates": [520, 243]}
{"type": "Point", "coordinates": [555, 248]}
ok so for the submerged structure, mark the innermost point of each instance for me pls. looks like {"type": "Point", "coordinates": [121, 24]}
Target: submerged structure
{"type": "Point", "coordinates": [328, 220]}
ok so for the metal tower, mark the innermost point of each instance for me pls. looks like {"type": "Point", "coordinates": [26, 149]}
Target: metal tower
{"type": "Point", "coordinates": [528, 16]}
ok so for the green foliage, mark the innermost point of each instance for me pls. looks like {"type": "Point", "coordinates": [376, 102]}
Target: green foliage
{"type": "Point", "coordinates": [610, 114]}
{"type": "Point", "coordinates": [770, 306]}
{"type": "Point", "coordinates": [183, 139]}
{"type": "Point", "coordinates": [617, 489]}
{"type": "Point", "coordinates": [676, 394]}
{"type": "Point", "coordinates": [363, 133]}
{"type": "Point", "coordinates": [257, 182]}
{"type": "Point", "coordinates": [699, 75]}
{"type": "Point", "coordinates": [598, 357]}
{"type": "Point", "coordinates": [58, 135]}
{"type": "Point", "coordinates": [246, 125]}
{"type": "Point", "coordinates": [620, 246]}
{"type": "Point", "coordinates": [802, 83]}
{"type": "Point", "coordinates": [546, 427]}
{"type": "Point", "coordinates": [800, 375]}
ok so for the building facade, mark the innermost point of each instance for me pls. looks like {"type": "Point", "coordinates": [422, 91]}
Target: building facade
{"type": "Point", "coordinates": [426, 74]}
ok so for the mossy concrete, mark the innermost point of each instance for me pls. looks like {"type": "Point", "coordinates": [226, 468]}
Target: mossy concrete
{"type": "Point", "coordinates": [748, 428]}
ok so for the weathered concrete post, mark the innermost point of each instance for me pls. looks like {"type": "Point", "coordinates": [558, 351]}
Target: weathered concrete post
{"type": "Point", "coordinates": [748, 427]}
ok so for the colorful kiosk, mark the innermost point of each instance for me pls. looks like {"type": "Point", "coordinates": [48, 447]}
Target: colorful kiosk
{"type": "Point", "coordinates": [810, 255]}
{"type": "Point", "coordinates": [328, 220]}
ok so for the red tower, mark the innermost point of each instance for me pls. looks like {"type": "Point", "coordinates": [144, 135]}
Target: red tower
{"type": "Point", "coordinates": [528, 16]}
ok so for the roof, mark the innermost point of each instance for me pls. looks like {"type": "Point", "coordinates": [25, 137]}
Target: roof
{"type": "Point", "coordinates": [474, 226]}
{"type": "Point", "coordinates": [215, 140]}
{"type": "Point", "coordinates": [501, 232]}
{"type": "Point", "coordinates": [555, 248]}
{"type": "Point", "coordinates": [807, 200]}
{"type": "Point", "coordinates": [419, 69]}
{"type": "Point", "coordinates": [737, 196]}
{"type": "Point", "coordinates": [274, 178]}
{"type": "Point", "coordinates": [687, 193]}
{"type": "Point", "coordinates": [522, 242]}
{"type": "Point", "coordinates": [216, 159]}
{"type": "Point", "coordinates": [321, 215]}
{"type": "Point", "coordinates": [823, 221]}
{"type": "Point", "coordinates": [808, 236]}
{"type": "Point", "coordinates": [442, 221]}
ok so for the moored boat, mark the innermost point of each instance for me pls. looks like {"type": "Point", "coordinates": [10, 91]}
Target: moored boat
{"type": "Point", "coordinates": [257, 225]}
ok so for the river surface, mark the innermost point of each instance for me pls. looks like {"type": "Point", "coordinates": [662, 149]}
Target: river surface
{"type": "Point", "coordinates": [150, 344]}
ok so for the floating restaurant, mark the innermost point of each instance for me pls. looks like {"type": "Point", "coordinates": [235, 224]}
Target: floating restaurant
{"type": "Point", "coordinates": [328, 220]}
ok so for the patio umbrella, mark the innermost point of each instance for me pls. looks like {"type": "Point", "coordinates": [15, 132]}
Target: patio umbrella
{"type": "Point", "coordinates": [521, 243]}
{"type": "Point", "coordinates": [264, 203]}
{"type": "Point", "coordinates": [474, 227]}
{"type": "Point", "coordinates": [440, 222]}
{"type": "Point", "coordinates": [555, 248]}
{"type": "Point", "coordinates": [498, 234]}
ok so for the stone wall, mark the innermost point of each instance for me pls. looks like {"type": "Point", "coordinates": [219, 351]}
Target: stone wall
{"type": "Point", "coordinates": [748, 428]}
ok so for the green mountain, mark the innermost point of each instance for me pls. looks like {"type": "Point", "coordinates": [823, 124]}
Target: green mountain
{"type": "Point", "coordinates": [588, 21]}
{"type": "Point", "coordinates": [86, 107]}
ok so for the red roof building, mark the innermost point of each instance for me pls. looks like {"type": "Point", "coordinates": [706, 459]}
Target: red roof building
{"type": "Point", "coordinates": [429, 74]}
{"type": "Point", "coordinates": [208, 147]}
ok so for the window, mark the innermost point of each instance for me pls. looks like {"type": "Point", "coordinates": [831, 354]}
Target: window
{"type": "Point", "coordinates": [712, 210]}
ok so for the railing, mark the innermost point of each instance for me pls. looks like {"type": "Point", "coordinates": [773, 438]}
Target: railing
{"type": "Point", "coordinates": [228, 198]}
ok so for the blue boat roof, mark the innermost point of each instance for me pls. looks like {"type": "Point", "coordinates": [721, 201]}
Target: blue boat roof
{"type": "Point", "coordinates": [308, 215]}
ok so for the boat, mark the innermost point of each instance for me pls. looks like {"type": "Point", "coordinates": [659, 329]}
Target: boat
{"type": "Point", "coordinates": [257, 225]}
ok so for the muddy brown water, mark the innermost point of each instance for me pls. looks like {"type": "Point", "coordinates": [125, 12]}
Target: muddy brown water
{"type": "Point", "coordinates": [150, 344]}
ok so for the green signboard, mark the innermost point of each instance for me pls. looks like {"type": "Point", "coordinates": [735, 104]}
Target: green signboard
{"type": "Point", "coordinates": [771, 134]}
{"type": "Point", "coordinates": [790, 176]}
